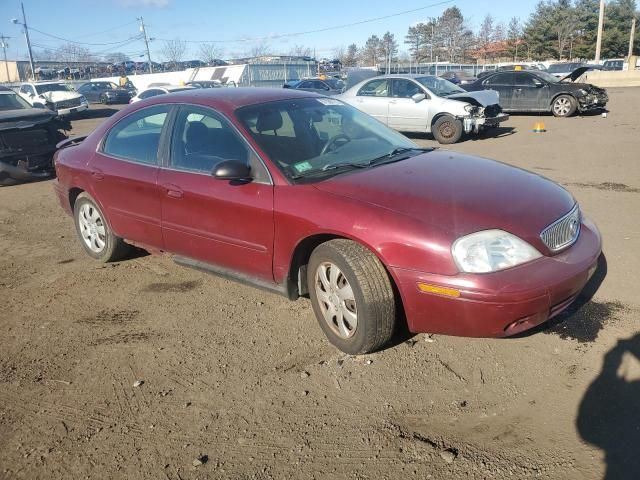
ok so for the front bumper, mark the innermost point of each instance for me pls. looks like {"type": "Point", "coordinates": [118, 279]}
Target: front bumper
{"type": "Point", "coordinates": [474, 124]}
{"type": "Point", "coordinates": [68, 111]}
{"type": "Point", "coordinates": [592, 101]}
{"type": "Point", "coordinates": [502, 303]}
{"type": "Point", "coordinates": [29, 168]}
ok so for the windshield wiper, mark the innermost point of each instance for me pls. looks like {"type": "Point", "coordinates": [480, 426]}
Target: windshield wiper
{"type": "Point", "coordinates": [392, 156]}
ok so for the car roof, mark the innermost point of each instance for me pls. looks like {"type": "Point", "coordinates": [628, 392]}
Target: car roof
{"type": "Point", "coordinates": [232, 98]}
{"type": "Point", "coordinates": [6, 90]}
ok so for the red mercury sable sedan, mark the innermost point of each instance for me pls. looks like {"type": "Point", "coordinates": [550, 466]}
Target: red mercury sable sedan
{"type": "Point", "coordinates": [306, 196]}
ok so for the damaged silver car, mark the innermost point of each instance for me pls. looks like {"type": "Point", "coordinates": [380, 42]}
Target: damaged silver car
{"type": "Point", "coordinates": [28, 138]}
{"type": "Point", "coordinates": [425, 103]}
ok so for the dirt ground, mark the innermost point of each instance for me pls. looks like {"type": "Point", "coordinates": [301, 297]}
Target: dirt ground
{"type": "Point", "coordinates": [245, 380]}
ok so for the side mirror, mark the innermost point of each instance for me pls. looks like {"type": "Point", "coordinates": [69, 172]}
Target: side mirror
{"type": "Point", "coordinates": [232, 170]}
{"type": "Point", "coordinates": [418, 97]}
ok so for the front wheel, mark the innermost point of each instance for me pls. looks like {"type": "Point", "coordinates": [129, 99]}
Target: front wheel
{"type": "Point", "coordinates": [94, 231]}
{"type": "Point", "coordinates": [352, 296]}
{"type": "Point", "coordinates": [564, 106]}
{"type": "Point", "coordinates": [447, 129]}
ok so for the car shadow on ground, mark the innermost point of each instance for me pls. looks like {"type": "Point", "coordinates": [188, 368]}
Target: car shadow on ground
{"type": "Point", "coordinates": [495, 132]}
{"type": "Point", "coordinates": [584, 318]}
{"type": "Point", "coordinates": [97, 112]}
{"type": "Point", "coordinates": [609, 413]}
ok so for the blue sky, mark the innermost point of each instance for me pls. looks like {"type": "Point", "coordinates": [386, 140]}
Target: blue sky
{"type": "Point", "coordinates": [112, 21]}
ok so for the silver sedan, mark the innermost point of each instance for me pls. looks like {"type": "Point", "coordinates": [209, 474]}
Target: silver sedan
{"type": "Point", "coordinates": [425, 103]}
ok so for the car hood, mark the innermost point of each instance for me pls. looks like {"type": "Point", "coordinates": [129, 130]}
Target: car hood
{"type": "Point", "coordinates": [24, 118]}
{"type": "Point", "coordinates": [481, 98]}
{"type": "Point", "coordinates": [459, 194]}
{"type": "Point", "coordinates": [58, 96]}
{"type": "Point", "coordinates": [576, 74]}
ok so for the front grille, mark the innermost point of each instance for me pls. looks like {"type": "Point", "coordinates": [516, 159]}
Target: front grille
{"type": "Point", "coordinates": [24, 140]}
{"type": "Point", "coordinates": [563, 232]}
{"type": "Point", "coordinates": [74, 102]}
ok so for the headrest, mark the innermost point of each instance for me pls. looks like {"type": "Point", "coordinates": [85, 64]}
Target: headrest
{"type": "Point", "coordinates": [196, 131]}
{"type": "Point", "coordinates": [269, 120]}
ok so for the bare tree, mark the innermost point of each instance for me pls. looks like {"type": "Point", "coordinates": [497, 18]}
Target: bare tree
{"type": "Point", "coordinates": [116, 57]}
{"type": "Point", "coordinates": [70, 52]}
{"type": "Point", "coordinates": [210, 52]}
{"type": "Point", "coordinates": [300, 51]}
{"type": "Point", "coordinates": [351, 57]}
{"type": "Point", "coordinates": [174, 50]}
{"type": "Point", "coordinates": [339, 53]}
{"type": "Point", "coordinates": [260, 49]}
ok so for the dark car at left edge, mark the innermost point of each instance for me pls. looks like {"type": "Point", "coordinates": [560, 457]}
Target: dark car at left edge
{"type": "Point", "coordinates": [28, 138]}
{"type": "Point", "coordinates": [537, 91]}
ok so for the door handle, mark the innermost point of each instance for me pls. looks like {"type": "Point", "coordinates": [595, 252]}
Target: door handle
{"type": "Point", "coordinates": [173, 191]}
{"type": "Point", "coordinates": [97, 174]}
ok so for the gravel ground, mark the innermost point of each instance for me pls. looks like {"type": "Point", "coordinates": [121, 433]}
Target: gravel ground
{"type": "Point", "coordinates": [143, 369]}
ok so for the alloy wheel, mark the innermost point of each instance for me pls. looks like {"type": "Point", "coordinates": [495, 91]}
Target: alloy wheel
{"type": "Point", "coordinates": [562, 107]}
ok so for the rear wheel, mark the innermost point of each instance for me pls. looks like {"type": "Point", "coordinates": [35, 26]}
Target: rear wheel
{"type": "Point", "coordinates": [103, 100]}
{"type": "Point", "coordinates": [352, 296]}
{"type": "Point", "coordinates": [447, 129]}
{"type": "Point", "coordinates": [563, 106]}
{"type": "Point", "coordinates": [94, 231]}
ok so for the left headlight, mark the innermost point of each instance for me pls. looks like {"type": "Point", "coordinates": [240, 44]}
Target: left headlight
{"type": "Point", "coordinates": [491, 251]}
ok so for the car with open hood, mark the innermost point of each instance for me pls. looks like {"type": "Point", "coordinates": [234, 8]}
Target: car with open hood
{"type": "Point", "coordinates": [304, 195]}
{"type": "Point", "coordinates": [28, 138]}
{"type": "Point", "coordinates": [425, 103]}
{"type": "Point", "coordinates": [537, 91]}
{"type": "Point", "coordinates": [58, 97]}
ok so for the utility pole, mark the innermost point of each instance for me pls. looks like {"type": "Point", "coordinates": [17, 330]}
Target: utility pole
{"type": "Point", "coordinates": [26, 35]}
{"type": "Point", "coordinates": [146, 42]}
{"type": "Point", "coordinates": [631, 36]}
{"type": "Point", "coordinates": [5, 45]}
{"type": "Point", "coordinates": [600, 25]}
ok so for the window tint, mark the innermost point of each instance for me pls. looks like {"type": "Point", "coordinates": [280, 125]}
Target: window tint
{"type": "Point", "coordinates": [524, 80]}
{"type": "Point", "coordinates": [500, 79]}
{"type": "Point", "coordinates": [404, 88]}
{"type": "Point", "coordinates": [137, 137]}
{"type": "Point", "coordinates": [202, 139]}
{"type": "Point", "coordinates": [150, 93]}
{"type": "Point", "coordinates": [375, 88]}
{"type": "Point", "coordinates": [320, 85]}
{"type": "Point", "coordinates": [306, 84]}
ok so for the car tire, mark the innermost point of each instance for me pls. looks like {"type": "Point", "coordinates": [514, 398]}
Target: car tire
{"type": "Point", "coordinates": [447, 130]}
{"type": "Point", "coordinates": [95, 233]}
{"type": "Point", "coordinates": [352, 296]}
{"type": "Point", "coordinates": [563, 106]}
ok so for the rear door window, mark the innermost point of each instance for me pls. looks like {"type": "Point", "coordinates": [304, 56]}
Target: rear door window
{"type": "Point", "coordinates": [500, 79]}
{"type": "Point", "coordinates": [137, 137]}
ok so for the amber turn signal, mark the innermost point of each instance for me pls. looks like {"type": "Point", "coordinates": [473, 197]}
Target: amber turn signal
{"type": "Point", "coordinates": [447, 292]}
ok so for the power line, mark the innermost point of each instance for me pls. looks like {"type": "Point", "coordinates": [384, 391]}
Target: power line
{"type": "Point", "coordinates": [320, 30]}
{"type": "Point", "coordinates": [106, 31]}
{"type": "Point", "coordinates": [81, 43]}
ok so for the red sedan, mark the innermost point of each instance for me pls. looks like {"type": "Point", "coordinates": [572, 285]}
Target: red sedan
{"type": "Point", "coordinates": [304, 195]}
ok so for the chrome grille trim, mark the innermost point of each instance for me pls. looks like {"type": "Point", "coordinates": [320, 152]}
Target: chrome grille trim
{"type": "Point", "coordinates": [560, 234]}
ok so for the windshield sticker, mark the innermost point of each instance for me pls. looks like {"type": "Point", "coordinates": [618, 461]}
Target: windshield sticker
{"type": "Point", "coordinates": [329, 101]}
{"type": "Point", "coordinates": [302, 167]}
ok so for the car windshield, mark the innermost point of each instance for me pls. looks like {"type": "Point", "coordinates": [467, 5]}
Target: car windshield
{"type": "Point", "coordinates": [311, 139]}
{"type": "Point", "coordinates": [562, 67]}
{"type": "Point", "coordinates": [440, 86]}
{"type": "Point", "coordinates": [335, 83]}
{"type": "Point", "coordinates": [11, 101]}
{"type": "Point", "coordinates": [52, 87]}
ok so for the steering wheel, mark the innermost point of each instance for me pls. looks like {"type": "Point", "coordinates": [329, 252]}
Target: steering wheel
{"type": "Point", "coordinates": [339, 140]}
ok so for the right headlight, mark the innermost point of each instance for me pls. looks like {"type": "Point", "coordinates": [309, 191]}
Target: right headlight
{"type": "Point", "coordinates": [491, 251]}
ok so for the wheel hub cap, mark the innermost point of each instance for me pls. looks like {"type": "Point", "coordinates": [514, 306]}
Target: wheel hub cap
{"type": "Point", "coordinates": [336, 300]}
{"type": "Point", "coordinates": [92, 228]}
